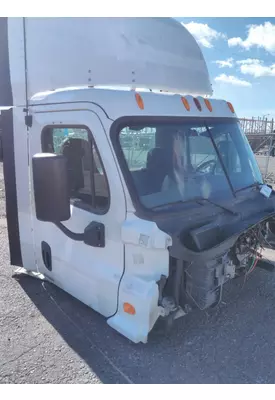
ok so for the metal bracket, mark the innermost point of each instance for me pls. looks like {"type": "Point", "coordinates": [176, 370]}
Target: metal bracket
{"type": "Point", "coordinates": [94, 234]}
{"type": "Point", "coordinates": [28, 121]}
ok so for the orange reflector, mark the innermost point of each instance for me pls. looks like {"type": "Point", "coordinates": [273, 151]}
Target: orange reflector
{"type": "Point", "coordinates": [196, 101]}
{"type": "Point", "coordinates": [208, 105]}
{"type": "Point", "coordinates": [231, 107]}
{"type": "Point", "coordinates": [139, 101]}
{"type": "Point", "coordinates": [129, 309]}
{"type": "Point", "coordinates": [185, 103]}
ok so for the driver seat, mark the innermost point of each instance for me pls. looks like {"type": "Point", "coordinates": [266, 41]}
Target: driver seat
{"type": "Point", "coordinates": [157, 168]}
{"type": "Point", "coordinates": [73, 151]}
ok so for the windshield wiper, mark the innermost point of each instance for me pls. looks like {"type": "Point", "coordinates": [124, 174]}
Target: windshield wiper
{"type": "Point", "coordinates": [255, 184]}
{"type": "Point", "coordinates": [198, 201]}
{"type": "Point", "coordinates": [171, 203]}
{"type": "Point", "coordinates": [220, 159]}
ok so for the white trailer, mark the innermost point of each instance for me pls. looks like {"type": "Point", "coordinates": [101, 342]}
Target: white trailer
{"type": "Point", "coordinates": [127, 185]}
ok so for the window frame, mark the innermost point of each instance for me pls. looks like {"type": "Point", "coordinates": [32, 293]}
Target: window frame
{"type": "Point", "coordinates": [46, 133]}
{"type": "Point", "coordinates": [123, 122]}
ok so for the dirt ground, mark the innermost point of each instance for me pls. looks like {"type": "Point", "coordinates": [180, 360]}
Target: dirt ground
{"type": "Point", "coordinates": [46, 336]}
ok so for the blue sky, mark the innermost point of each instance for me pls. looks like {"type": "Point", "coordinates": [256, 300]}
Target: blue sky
{"type": "Point", "coordinates": [240, 54]}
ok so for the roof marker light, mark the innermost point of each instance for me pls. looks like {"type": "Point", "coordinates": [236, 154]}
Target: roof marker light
{"type": "Point", "coordinates": [208, 105]}
{"type": "Point", "coordinates": [185, 103]}
{"type": "Point", "coordinates": [230, 107]}
{"type": "Point", "coordinates": [139, 101]}
{"type": "Point", "coordinates": [196, 101]}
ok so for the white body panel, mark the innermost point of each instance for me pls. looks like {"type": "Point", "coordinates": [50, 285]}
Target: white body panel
{"type": "Point", "coordinates": [157, 53]}
{"type": "Point", "coordinates": [121, 103]}
{"type": "Point", "coordinates": [90, 274]}
{"type": "Point", "coordinates": [93, 275]}
{"type": "Point", "coordinates": [146, 260]}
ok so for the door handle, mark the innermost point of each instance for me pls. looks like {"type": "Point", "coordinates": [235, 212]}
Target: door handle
{"type": "Point", "coordinates": [46, 255]}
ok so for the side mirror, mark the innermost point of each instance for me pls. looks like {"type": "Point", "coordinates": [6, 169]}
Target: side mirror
{"type": "Point", "coordinates": [51, 187]}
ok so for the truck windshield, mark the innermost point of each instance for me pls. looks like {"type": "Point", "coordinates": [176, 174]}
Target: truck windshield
{"type": "Point", "coordinates": [171, 163]}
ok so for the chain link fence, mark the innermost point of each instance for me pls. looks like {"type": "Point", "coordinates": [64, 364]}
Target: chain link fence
{"type": "Point", "coordinates": [260, 133]}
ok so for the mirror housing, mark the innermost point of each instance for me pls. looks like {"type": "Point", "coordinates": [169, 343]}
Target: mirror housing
{"type": "Point", "coordinates": [51, 187]}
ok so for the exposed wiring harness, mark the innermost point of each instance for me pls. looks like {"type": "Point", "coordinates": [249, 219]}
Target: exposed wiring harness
{"type": "Point", "coordinates": [254, 263]}
{"type": "Point", "coordinates": [257, 235]}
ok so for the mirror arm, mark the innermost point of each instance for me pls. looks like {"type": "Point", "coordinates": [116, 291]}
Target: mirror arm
{"type": "Point", "coordinates": [79, 237]}
{"type": "Point", "coordinates": [94, 234]}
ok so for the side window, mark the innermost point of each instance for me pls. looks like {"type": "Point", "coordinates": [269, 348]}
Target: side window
{"type": "Point", "coordinates": [87, 177]}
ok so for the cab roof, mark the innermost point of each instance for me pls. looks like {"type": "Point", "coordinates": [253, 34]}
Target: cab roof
{"type": "Point", "coordinates": [118, 103]}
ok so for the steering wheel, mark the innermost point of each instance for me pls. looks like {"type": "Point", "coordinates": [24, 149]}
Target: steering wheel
{"type": "Point", "coordinates": [207, 167]}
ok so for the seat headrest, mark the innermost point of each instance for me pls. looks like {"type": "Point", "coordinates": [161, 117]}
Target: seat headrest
{"type": "Point", "coordinates": [73, 147]}
{"type": "Point", "coordinates": [157, 158]}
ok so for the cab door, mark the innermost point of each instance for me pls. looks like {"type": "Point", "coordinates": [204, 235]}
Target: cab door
{"type": "Point", "coordinates": [91, 273]}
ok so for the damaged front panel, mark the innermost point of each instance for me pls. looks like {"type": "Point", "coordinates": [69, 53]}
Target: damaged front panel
{"type": "Point", "coordinates": [214, 248]}
{"type": "Point", "coordinates": [198, 181]}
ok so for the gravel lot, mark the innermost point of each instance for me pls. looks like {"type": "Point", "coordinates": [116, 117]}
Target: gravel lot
{"type": "Point", "coordinates": [46, 336]}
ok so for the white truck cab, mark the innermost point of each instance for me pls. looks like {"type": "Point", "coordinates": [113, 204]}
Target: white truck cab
{"type": "Point", "coordinates": [127, 185]}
